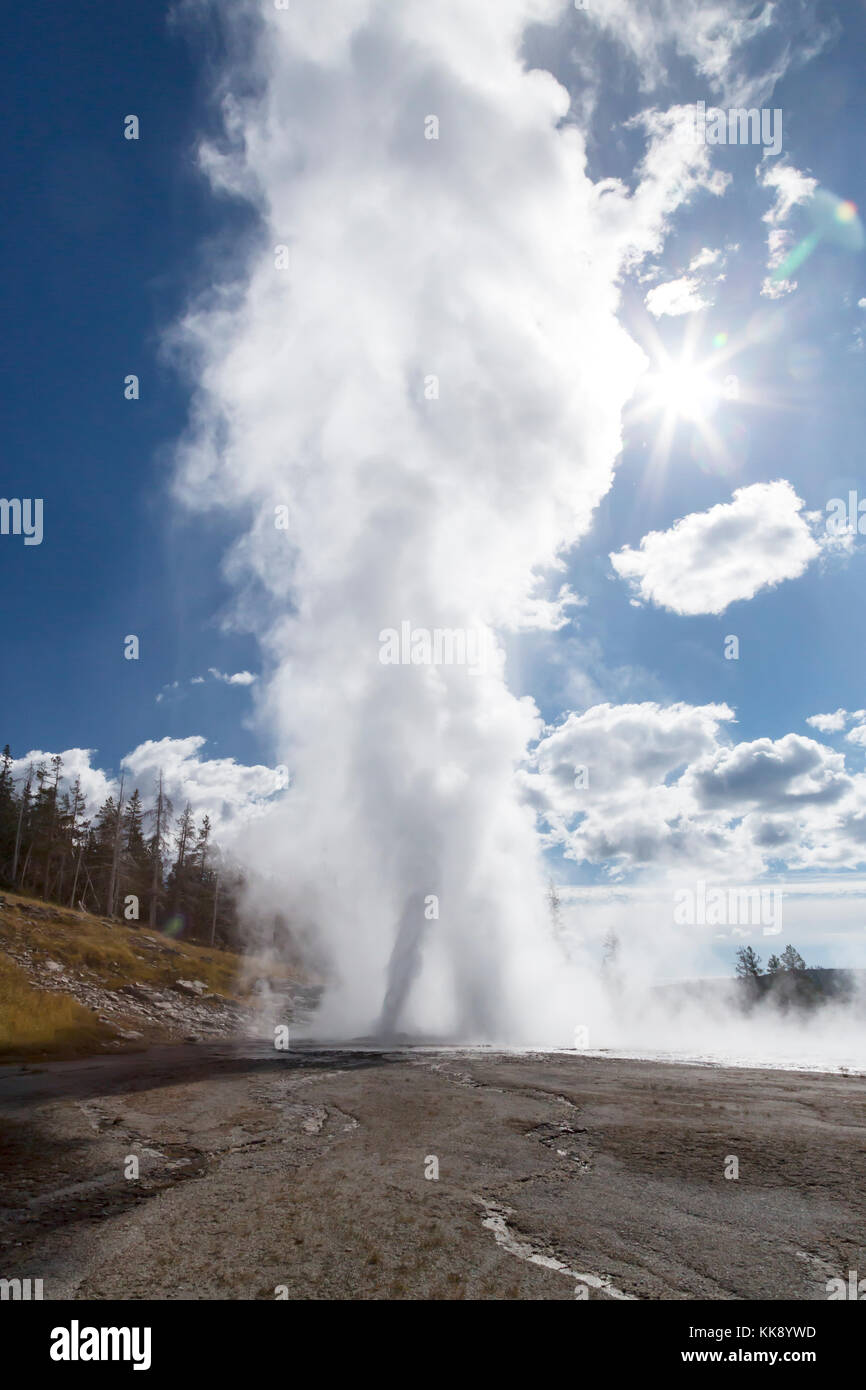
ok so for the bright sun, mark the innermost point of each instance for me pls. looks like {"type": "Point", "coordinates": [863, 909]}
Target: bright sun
{"type": "Point", "coordinates": [681, 390]}
{"type": "Point", "coordinates": [688, 404]}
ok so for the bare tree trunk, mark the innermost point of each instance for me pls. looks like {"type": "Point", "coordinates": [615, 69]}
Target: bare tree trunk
{"type": "Point", "coordinates": [92, 889]}
{"type": "Point", "coordinates": [112, 883]}
{"type": "Point", "coordinates": [216, 896]}
{"type": "Point", "coordinates": [26, 863]}
{"type": "Point", "coordinates": [25, 801]}
{"type": "Point", "coordinates": [77, 871]}
{"type": "Point", "coordinates": [52, 825]}
{"type": "Point", "coordinates": [157, 861]}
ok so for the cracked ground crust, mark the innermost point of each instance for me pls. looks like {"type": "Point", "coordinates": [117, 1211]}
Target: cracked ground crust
{"type": "Point", "coordinates": [305, 1172]}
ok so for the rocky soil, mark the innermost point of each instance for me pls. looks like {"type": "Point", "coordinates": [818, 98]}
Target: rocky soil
{"type": "Point", "coordinates": [422, 1174]}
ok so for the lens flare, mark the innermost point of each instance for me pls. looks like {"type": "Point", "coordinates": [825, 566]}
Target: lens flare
{"type": "Point", "coordinates": [833, 219]}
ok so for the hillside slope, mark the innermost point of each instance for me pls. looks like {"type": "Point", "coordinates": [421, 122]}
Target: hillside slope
{"type": "Point", "coordinates": [72, 984]}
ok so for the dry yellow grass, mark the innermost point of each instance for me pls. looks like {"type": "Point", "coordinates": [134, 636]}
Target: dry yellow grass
{"type": "Point", "coordinates": [103, 953]}
{"type": "Point", "coordinates": [35, 1022]}
{"type": "Point", "coordinates": [116, 954]}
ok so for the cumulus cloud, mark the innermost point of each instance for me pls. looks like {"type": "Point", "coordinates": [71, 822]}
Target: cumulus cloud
{"type": "Point", "coordinates": [96, 786]}
{"type": "Point", "coordinates": [706, 257]}
{"type": "Point", "coordinates": [547, 614]}
{"type": "Point", "coordinates": [708, 560]}
{"type": "Point", "coordinates": [641, 743]}
{"type": "Point", "coordinates": [769, 774]}
{"type": "Point", "coordinates": [829, 723]}
{"type": "Point", "coordinates": [692, 291]}
{"type": "Point", "coordinates": [676, 297]}
{"type": "Point", "coordinates": [229, 792]}
{"type": "Point", "coordinates": [646, 787]}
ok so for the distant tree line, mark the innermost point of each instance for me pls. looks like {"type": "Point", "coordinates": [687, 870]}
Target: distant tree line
{"type": "Point", "coordinates": [789, 982]}
{"type": "Point", "coordinates": [154, 867]}
{"type": "Point", "coordinates": [749, 962]}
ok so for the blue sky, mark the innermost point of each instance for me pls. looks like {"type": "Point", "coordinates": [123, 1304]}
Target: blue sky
{"type": "Point", "coordinates": [101, 240]}
{"type": "Point", "coordinates": [107, 241]}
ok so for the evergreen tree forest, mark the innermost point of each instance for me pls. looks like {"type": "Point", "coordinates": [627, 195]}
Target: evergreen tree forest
{"type": "Point", "coordinates": [157, 868]}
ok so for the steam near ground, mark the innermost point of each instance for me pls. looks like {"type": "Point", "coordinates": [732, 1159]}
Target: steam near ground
{"type": "Point", "coordinates": [406, 854]}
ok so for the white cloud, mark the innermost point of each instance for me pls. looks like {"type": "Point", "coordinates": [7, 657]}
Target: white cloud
{"type": "Point", "coordinates": [229, 792]}
{"type": "Point", "coordinates": [790, 187]}
{"type": "Point", "coordinates": [547, 614]}
{"type": "Point", "coordinates": [708, 560]}
{"type": "Point", "coordinates": [676, 297]}
{"type": "Point", "coordinates": [95, 784]}
{"type": "Point", "coordinates": [667, 792]}
{"type": "Point", "coordinates": [705, 257]}
{"type": "Point", "coordinates": [715, 37]}
{"type": "Point", "coordinates": [829, 723]}
{"type": "Point", "coordinates": [779, 243]}
{"type": "Point", "coordinates": [239, 677]}
{"type": "Point", "coordinates": [692, 291]}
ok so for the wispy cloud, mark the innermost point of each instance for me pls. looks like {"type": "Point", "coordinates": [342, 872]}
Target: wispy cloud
{"type": "Point", "coordinates": [237, 678]}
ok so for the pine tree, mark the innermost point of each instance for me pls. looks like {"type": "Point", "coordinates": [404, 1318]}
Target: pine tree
{"type": "Point", "coordinates": [51, 819]}
{"type": "Point", "coordinates": [100, 852]}
{"type": "Point", "coordinates": [157, 849]}
{"type": "Point", "coordinates": [183, 836]}
{"type": "Point", "coordinates": [134, 868]}
{"type": "Point", "coordinates": [8, 813]}
{"type": "Point", "coordinates": [184, 864]}
{"type": "Point", "coordinates": [748, 963]}
{"type": "Point", "coordinates": [201, 846]}
{"type": "Point", "coordinates": [23, 822]}
{"type": "Point", "coordinates": [77, 833]}
{"type": "Point", "coordinates": [792, 960]}
{"type": "Point", "coordinates": [553, 906]}
{"type": "Point", "coordinates": [610, 949]}
{"type": "Point", "coordinates": [50, 847]}
{"type": "Point", "coordinates": [133, 837]}
{"type": "Point", "coordinates": [111, 897]}
{"type": "Point", "coordinates": [33, 828]}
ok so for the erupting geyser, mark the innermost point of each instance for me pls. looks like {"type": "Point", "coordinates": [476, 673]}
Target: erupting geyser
{"type": "Point", "coordinates": [427, 371]}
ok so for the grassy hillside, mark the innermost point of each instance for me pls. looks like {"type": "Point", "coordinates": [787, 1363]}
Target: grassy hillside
{"type": "Point", "coordinates": [72, 984]}
{"type": "Point", "coordinates": [37, 1023]}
